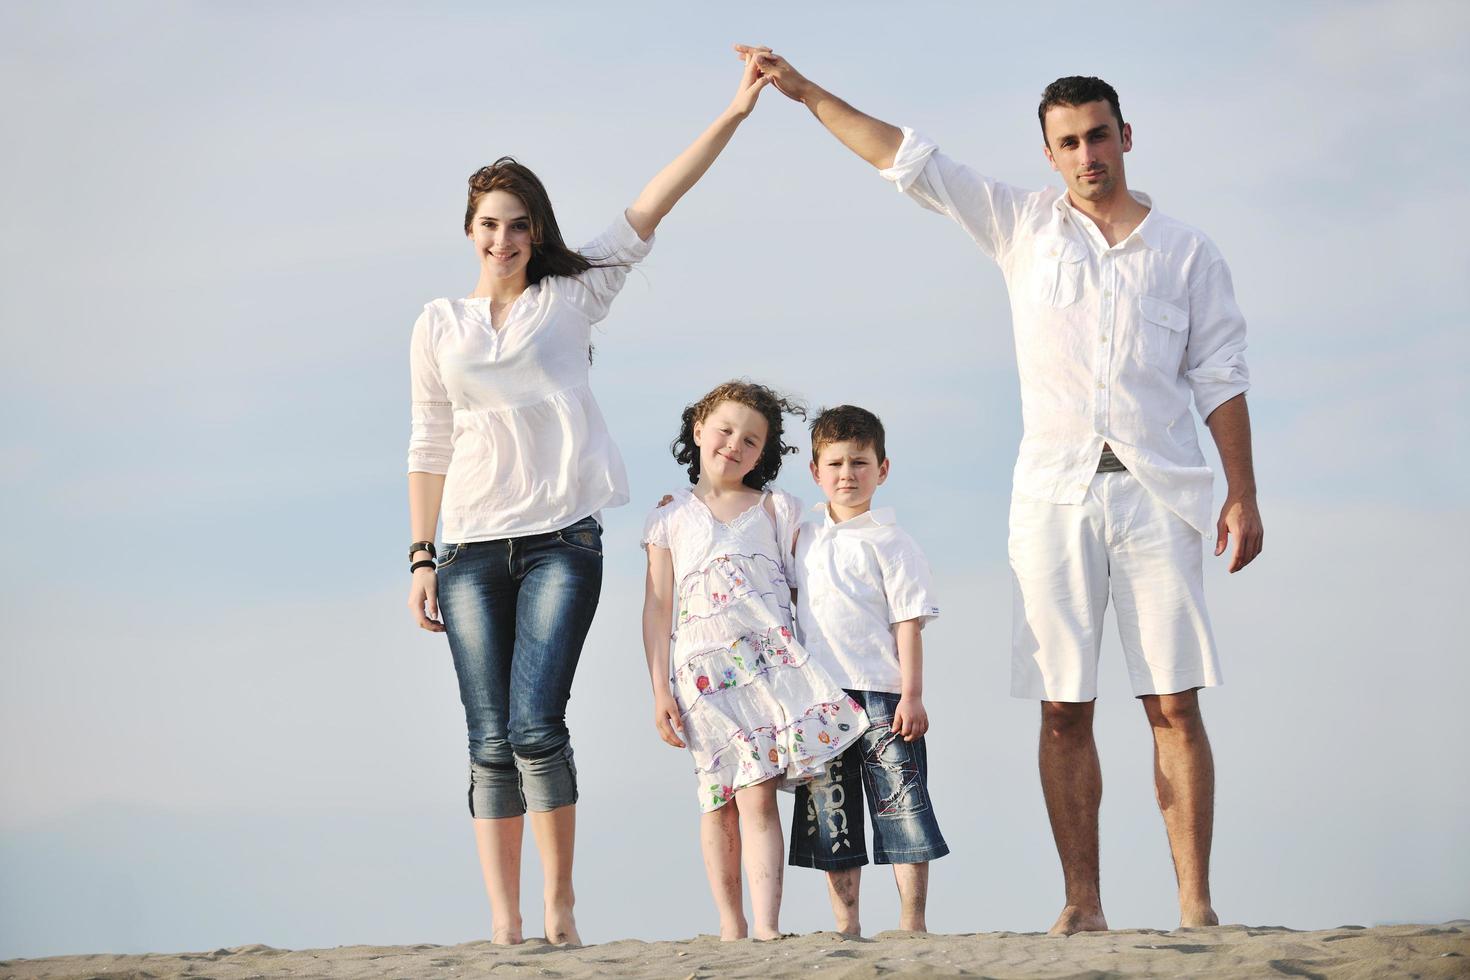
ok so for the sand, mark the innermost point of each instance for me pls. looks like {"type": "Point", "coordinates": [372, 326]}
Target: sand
{"type": "Point", "coordinates": [1225, 951]}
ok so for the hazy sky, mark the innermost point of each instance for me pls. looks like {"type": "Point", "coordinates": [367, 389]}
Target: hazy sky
{"type": "Point", "coordinates": [218, 723]}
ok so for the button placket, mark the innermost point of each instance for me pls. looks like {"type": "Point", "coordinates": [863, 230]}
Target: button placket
{"type": "Point", "coordinates": [1106, 329]}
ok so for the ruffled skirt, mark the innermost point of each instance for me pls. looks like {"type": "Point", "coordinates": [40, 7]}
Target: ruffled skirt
{"type": "Point", "coordinates": [754, 704]}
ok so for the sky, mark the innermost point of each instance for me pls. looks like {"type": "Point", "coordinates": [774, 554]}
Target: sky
{"type": "Point", "coordinates": [219, 724]}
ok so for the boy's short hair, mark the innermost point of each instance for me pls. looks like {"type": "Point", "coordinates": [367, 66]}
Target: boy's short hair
{"type": "Point", "coordinates": [846, 423]}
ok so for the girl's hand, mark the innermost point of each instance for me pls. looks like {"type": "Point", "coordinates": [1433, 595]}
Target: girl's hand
{"type": "Point", "coordinates": [751, 83]}
{"type": "Point", "coordinates": [666, 719]}
{"type": "Point", "coordinates": [910, 720]}
{"type": "Point", "coordinates": [423, 594]}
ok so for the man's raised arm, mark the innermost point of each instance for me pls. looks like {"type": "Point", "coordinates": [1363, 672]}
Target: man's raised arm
{"type": "Point", "coordinates": [872, 139]}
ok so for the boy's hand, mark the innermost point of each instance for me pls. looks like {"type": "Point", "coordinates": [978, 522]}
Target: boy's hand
{"type": "Point", "coordinates": [910, 720]}
{"type": "Point", "coordinates": [666, 719]}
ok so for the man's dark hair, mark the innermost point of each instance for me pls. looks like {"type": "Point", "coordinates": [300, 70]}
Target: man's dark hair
{"type": "Point", "coordinates": [1075, 90]}
{"type": "Point", "coordinates": [846, 423]}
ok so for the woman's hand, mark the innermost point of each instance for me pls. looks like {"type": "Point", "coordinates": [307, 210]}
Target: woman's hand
{"type": "Point", "coordinates": [751, 83]}
{"type": "Point", "coordinates": [667, 720]}
{"type": "Point", "coordinates": [423, 594]}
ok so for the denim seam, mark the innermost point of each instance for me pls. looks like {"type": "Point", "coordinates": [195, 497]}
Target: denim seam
{"type": "Point", "coordinates": [578, 547]}
{"type": "Point", "coordinates": [936, 850]}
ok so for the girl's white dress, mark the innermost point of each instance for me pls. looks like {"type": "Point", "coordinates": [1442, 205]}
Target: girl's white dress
{"type": "Point", "coordinates": [754, 704]}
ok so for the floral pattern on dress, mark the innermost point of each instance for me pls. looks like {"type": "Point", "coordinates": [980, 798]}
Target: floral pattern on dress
{"type": "Point", "coordinates": [754, 705]}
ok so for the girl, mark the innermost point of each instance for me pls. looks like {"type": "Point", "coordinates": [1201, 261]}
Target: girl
{"type": "Point", "coordinates": [509, 442]}
{"type": "Point", "coordinates": [737, 687]}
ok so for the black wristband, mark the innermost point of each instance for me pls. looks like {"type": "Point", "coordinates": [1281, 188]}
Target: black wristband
{"type": "Point", "coordinates": [422, 546]}
{"type": "Point", "coordinates": [422, 563]}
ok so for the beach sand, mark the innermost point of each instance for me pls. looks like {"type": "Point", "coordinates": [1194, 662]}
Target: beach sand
{"type": "Point", "coordinates": [1225, 951]}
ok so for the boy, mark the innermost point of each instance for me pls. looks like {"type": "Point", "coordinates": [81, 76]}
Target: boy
{"type": "Point", "coordinates": [862, 599]}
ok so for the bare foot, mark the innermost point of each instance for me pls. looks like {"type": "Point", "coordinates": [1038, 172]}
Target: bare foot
{"type": "Point", "coordinates": [764, 936]}
{"type": "Point", "coordinates": [1075, 918]}
{"type": "Point", "coordinates": [1200, 916]}
{"type": "Point", "coordinates": [561, 927]}
{"type": "Point", "coordinates": [509, 936]}
{"type": "Point", "coordinates": [729, 932]}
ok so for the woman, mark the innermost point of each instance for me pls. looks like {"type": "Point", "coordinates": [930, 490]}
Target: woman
{"type": "Point", "coordinates": [509, 443]}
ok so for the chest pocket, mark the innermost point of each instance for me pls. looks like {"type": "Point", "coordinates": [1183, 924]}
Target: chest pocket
{"type": "Point", "coordinates": [1163, 331]}
{"type": "Point", "coordinates": [1057, 271]}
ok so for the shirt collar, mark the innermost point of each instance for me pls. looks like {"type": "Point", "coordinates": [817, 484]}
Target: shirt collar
{"type": "Point", "coordinates": [1148, 230]}
{"type": "Point", "coordinates": [875, 517]}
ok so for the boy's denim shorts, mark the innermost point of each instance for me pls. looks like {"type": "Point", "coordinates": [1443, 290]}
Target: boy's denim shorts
{"type": "Point", "coordinates": [827, 825]}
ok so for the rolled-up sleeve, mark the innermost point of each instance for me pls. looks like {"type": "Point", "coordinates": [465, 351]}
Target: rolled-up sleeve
{"type": "Point", "coordinates": [430, 440]}
{"type": "Point", "coordinates": [1215, 359]}
{"type": "Point", "coordinates": [987, 210]}
{"type": "Point", "coordinates": [612, 254]}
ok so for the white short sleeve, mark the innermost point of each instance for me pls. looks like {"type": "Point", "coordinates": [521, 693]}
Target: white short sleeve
{"type": "Point", "coordinates": [906, 581]}
{"type": "Point", "coordinates": [788, 518]}
{"type": "Point", "coordinates": [656, 528]}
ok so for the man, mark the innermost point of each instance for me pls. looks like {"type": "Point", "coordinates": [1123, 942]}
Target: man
{"type": "Point", "coordinates": [1120, 315]}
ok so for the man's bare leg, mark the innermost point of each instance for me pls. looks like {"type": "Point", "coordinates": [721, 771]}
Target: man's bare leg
{"type": "Point", "coordinates": [913, 895]}
{"type": "Point", "coordinates": [842, 888]}
{"type": "Point", "coordinates": [1071, 781]}
{"type": "Point", "coordinates": [1184, 781]}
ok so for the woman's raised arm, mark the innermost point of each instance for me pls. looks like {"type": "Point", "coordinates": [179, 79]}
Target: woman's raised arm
{"type": "Point", "coordinates": [673, 181]}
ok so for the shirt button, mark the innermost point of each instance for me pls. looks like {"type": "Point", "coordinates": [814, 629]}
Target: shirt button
{"type": "Point", "coordinates": [1100, 386]}
{"type": "Point", "coordinates": [1105, 338]}
{"type": "Point", "coordinates": [1081, 486]}
{"type": "Point", "coordinates": [1107, 293]}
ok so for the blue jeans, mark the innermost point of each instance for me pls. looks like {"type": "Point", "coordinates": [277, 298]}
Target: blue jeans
{"type": "Point", "coordinates": [827, 823]}
{"type": "Point", "coordinates": [516, 611]}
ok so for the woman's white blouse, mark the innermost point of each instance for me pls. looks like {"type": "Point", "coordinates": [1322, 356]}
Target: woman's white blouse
{"type": "Point", "coordinates": [507, 415]}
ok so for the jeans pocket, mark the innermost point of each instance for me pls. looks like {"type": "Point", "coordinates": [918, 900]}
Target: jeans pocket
{"type": "Point", "coordinates": [582, 536]}
{"type": "Point", "coordinates": [447, 556]}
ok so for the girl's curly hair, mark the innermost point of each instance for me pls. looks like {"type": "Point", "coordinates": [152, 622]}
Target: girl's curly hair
{"type": "Point", "coordinates": [752, 395]}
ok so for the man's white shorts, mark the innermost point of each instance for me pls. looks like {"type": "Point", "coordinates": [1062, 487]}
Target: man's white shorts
{"type": "Point", "coordinates": [1067, 559]}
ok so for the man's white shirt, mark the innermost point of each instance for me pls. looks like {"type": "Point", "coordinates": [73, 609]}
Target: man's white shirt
{"type": "Point", "coordinates": [1111, 342]}
{"type": "Point", "coordinates": [854, 581]}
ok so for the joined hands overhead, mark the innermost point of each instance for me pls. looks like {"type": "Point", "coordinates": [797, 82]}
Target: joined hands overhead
{"type": "Point", "coordinates": [774, 68]}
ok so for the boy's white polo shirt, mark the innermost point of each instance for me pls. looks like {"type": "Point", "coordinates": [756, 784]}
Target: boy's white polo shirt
{"type": "Point", "coordinates": [854, 580]}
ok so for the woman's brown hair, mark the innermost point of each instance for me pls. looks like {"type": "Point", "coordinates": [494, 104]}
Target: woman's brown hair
{"type": "Point", "coordinates": [752, 395]}
{"type": "Point", "coordinates": [549, 253]}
